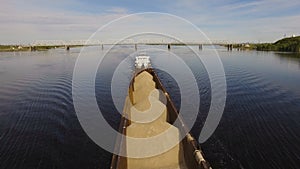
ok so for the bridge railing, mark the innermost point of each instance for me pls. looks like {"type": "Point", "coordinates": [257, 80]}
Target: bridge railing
{"type": "Point", "coordinates": [128, 41]}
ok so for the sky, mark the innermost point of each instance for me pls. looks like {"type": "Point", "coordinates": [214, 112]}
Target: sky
{"type": "Point", "coordinates": [232, 20]}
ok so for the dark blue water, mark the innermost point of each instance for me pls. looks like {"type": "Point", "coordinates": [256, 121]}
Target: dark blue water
{"type": "Point", "coordinates": [39, 128]}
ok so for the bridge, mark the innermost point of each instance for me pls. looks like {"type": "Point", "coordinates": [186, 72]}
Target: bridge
{"type": "Point", "coordinates": [126, 42]}
{"type": "Point", "coordinates": [73, 43]}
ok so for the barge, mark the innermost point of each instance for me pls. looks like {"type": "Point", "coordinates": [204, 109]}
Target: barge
{"type": "Point", "coordinates": [144, 95]}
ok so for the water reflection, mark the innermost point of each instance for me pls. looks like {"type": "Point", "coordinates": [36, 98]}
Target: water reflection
{"type": "Point", "coordinates": [293, 58]}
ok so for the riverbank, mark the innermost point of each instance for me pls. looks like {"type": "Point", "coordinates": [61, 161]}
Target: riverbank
{"type": "Point", "coordinates": [291, 44]}
{"type": "Point", "coordinates": [12, 48]}
{"type": "Point", "coordinates": [16, 48]}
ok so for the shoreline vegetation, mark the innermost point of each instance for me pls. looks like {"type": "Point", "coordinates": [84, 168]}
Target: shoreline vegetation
{"type": "Point", "coordinates": [291, 44]}
{"type": "Point", "coordinates": [20, 48]}
{"type": "Point", "coordinates": [12, 48]}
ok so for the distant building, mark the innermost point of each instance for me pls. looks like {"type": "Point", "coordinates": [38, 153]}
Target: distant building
{"type": "Point", "coordinates": [293, 36]}
{"type": "Point", "coordinates": [247, 45]}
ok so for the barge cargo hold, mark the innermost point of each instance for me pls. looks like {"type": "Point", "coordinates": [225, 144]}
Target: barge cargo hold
{"type": "Point", "coordinates": [144, 88]}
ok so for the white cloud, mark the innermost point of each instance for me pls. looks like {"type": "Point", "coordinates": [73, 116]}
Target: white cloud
{"type": "Point", "coordinates": [261, 20]}
{"type": "Point", "coordinates": [118, 10]}
{"type": "Point", "coordinates": [25, 21]}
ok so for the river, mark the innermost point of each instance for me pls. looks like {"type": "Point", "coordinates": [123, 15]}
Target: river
{"type": "Point", "coordinates": [39, 127]}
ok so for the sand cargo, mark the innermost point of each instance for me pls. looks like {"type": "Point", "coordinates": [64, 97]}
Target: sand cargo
{"type": "Point", "coordinates": [149, 112]}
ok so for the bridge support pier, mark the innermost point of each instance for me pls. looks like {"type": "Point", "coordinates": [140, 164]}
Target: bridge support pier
{"type": "Point", "coordinates": [102, 46]}
{"type": "Point", "coordinates": [229, 47]}
{"type": "Point", "coordinates": [200, 47]}
{"type": "Point", "coordinates": [135, 47]}
{"type": "Point", "coordinates": [32, 48]}
{"type": "Point", "coordinates": [169, 46]}
{"type": "Point", "coordinates": [239, 47]}
{"type": "Point", "coordinates": [67, 47]}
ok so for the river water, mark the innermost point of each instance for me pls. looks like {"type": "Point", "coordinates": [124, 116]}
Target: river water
{"type": "Point", "coordinates": [39, 127]}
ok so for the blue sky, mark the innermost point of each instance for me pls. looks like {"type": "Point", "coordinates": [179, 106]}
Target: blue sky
{"type": "Point", "coordinates": [234, 20]}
